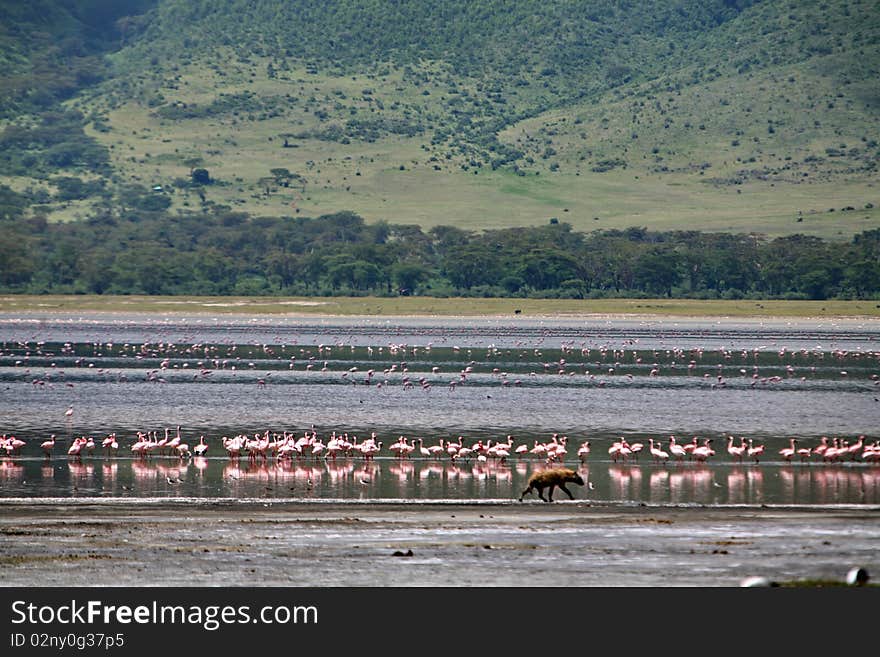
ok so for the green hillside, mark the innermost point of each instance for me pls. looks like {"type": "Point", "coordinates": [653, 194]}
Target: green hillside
{"type": "Point", "coordinates": [714, 115]}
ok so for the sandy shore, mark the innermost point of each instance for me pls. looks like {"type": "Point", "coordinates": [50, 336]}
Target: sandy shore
{"type": "Point", "coordinates": [255, 543]}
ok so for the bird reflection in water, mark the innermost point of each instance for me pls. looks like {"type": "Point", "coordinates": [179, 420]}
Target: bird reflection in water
{"type": "Point", "coordinates": [679, 485]}
{"type": "Point", "coordinates": [755, 479]}
{"type": "Point", "coordinates": [620, 477]}
{"type": "Point", "coordinates": [11, 472]}
{"type": "Point", "coordinates": [795, 483]}
{"type": "Point", "coordinates": [658, 486]}
{"type": "Point", "coordinates": [736, 486]}
{"type": "Point", "coordinates": [701, 485]}
{"type": "Point", "coordinates": [803, 481]}
{"type": "Point", "coordinates": [81, 475]}
{"type": "Point", "coordinates": [109, 471]}
{"type": "Point", "coordinates": [786, 480]}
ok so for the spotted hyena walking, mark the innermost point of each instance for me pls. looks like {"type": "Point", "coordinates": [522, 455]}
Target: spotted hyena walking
{"type": "Point", "coordinates": [551, 479]}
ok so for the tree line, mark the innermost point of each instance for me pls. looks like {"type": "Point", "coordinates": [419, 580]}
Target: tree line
{"type": "Point", "coordinates": [144, 249]}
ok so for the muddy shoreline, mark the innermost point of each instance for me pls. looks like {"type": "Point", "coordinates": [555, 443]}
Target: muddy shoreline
{"type": "Point", "coordinates": [328, 543]}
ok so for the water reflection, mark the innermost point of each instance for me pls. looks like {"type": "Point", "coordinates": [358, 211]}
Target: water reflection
{"type": "Point", "coordinates": [432, 479]}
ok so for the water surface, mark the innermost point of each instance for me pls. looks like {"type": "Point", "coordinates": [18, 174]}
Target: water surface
{"type": "Point", "coordinates": [438, 379]}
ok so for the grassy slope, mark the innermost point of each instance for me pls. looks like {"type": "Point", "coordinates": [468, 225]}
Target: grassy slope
{"type": "Point", "coordinates": [703, 158]}
{"type": "Point", "coordinates": [240, 152]}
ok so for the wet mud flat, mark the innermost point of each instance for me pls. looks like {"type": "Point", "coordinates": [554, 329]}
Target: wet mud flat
{"type": "Point", "coordinates": [189, 542]}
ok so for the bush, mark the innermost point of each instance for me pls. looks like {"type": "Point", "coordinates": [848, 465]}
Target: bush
{"type": "Point", "coordinates": [201, 177]}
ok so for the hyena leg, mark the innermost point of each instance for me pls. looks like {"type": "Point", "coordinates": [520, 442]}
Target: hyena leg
{"type": "Point", "coordinates": [566, 491]}
{"type": "Point", "coordinates": [523, 494]}
{"type": "Point", "coordinates": [541, 494]}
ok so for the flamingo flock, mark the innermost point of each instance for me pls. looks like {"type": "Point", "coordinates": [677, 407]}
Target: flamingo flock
{"type": "Point", "coordinates": [261, 446]}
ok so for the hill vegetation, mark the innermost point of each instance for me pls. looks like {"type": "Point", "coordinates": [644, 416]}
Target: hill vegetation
{"type": "Point", "coordinates": [219, 251]}
{"type": "Point", "coordinates": [745, 117]}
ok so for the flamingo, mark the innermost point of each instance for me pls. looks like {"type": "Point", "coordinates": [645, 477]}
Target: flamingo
{"type": "Point", "coordinates": [109, 443]}
{"type": "Point", "coordinates": [370, 449]}
{"type": "Point", "coordinates": [676, 450]}
{"type": "Point", "coordinates": [139, 448]}
{"type": "Point", "coordinates": [657, 453]}
{"type": "Point", "coordinates": [539, 449]}
{"type": "Point", "coordinates": [788, 452]}
{"type": "Point", "coordinates": [735, 452]}
{"type": "Point", "coordinates": [819, 450]}
{"type": "Point", "coordinates": [804, 453]}
{"type": "Point", "coordinates": [854, 449]}
{"type": "Point", "coordinates": [408, 448]}
{"type": "Point", "coordinates": [636, 449]}
{"type": "Point", "coordinates": [160, 445]}
{"type": "Point", "coordinates": [14, 444]}
{"type": "Point", "coordinates": [48, 445]}
{"type": "Point", "coordinates": [436, 450]}
{"type": "Point", "coordinates": [172, 444]}
{"type": "Point", "coordinates": [76, 447]}
{"type": "Point", "coordinates": [755, 451]}
{"type": "Point", "coordinates": [399, 447]}
{"type": "Point", "coordinates": [690, 447]}
{"type": "Point", "coordinates": [318, 448]}
{"type": "Point", "coordinates": [584, 451]}
{"type": "Point", "coordinates": [202, 448]}
{"type": "Point", "coordinates": [703, 452]}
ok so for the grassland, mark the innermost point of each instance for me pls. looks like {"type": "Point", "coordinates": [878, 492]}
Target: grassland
{"type": "Point", "coordinates": [746, 117]}
{"type": "Point", "coordinates": [675, 177]}
{"type": "Point", "coordinates": [425, 306]}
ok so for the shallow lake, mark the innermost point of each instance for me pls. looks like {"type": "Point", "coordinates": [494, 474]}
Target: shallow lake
{"type": "Point", "coordinates": [438, 379]}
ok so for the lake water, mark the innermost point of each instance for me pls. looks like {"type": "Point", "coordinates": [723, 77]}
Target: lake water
{"type": "Point", "coordinates": [438, 379]}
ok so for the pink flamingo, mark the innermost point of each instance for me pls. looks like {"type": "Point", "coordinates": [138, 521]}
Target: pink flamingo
{"type": "Point", "coordinates": [172, 444]}
{"type": "Point", "coordinates": [539, 450]}
{"type": "Point", "coordinates": [636, 449]}
{"type": "Point", "coordinates": [854, 449]}
{"type": "Point", "coordinates": [819, 450]}
{"type": "Point", "coordinates": [437, 449]}
{"type": "Point", "coordinates": [318, 448]}
{"type": "Point", "coordinates": [109, 443]}
{"type": "Point", "coordinates": [163, 444]}
{"type": "Point", "coordinates": [788, 452]}
{"type": "Point", "coordinates": [735, 452]}
{"type": "Point", "coordinates": [702, 452]}
{"type": "Point", "coordinates": [755, 451]}
{"type": "Point", "coordinates": [657, 453]}
{"type": "Point", "coordinates": [584, 451]}
{"type": "Point", "coordinates": [370, 449]}
{"type": "Point", "coordinates": [15, 444]}
{"type": "Point", "coordinates": [676, 450]}
{"type": "Point", "coordinates": [202, 448]}
{"type": "Point", "coordinates": [804, 453]}
{"type": "Point", "coordinates": [76, 447]}
{"type": "Point", "coordinates": [48, 445]}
